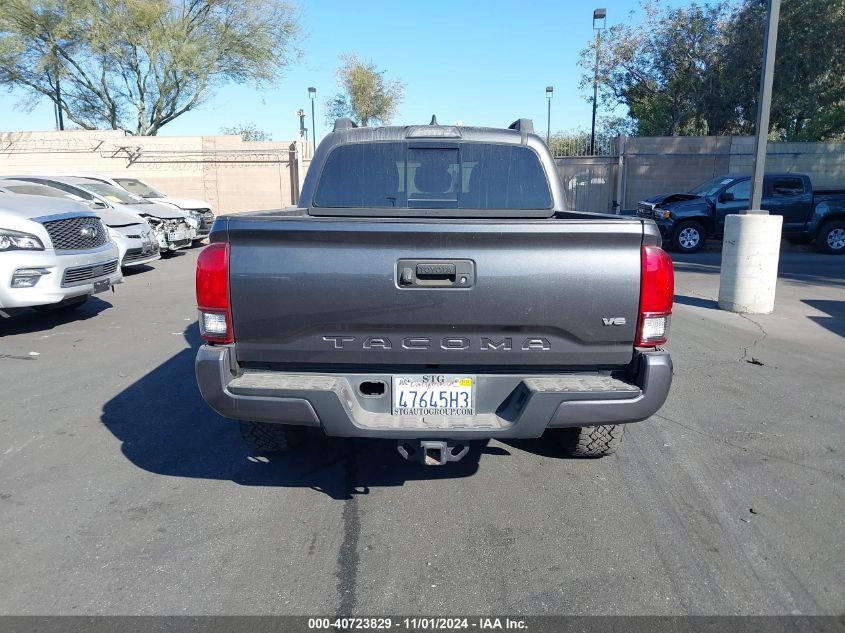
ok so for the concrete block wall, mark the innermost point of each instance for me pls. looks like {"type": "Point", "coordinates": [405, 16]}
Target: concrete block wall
{"type": "Point", "coordinates": [231, 174]}
{"type": "Point", "coordinates": [656, 165]}
{"type": "Point", "coordinates": [237, 176]}
{"type": "Point", "coordinates": [823, 162]}
{"type": "Point", "coordinates": [659, 164]}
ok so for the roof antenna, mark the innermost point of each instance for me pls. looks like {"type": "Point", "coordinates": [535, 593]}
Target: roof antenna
{"type": "Point", "coordinates": [433, 120]}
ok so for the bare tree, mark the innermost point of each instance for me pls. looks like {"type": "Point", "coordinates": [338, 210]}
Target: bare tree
{"type": "Point", "coordinates": [247, 132]}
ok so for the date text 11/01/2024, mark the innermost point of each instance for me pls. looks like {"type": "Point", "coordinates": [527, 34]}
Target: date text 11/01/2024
{"type": "Point", "coordinates": [417, 623]}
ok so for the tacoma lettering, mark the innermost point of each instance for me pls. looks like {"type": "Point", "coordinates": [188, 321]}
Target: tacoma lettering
{"type": "Point", "coordinates": [489, 343]}
{"type": "Point", "coordinates": [449, 343]}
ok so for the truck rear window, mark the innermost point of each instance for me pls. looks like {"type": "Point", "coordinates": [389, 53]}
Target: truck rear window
{"type": "Point", "coordinates": [462, 176]}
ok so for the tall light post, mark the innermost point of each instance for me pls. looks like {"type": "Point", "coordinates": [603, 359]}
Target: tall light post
{"type": "Point", "coordinates": [764, 105]}
{"type": "Point", "coordinates": [599, 15]}
{"type": "Point", "coordinates": [312, 94]}
{"type": "Point", "coordinates": [751, 246]}
{"type": "Point", "coordinates": [550, 91]}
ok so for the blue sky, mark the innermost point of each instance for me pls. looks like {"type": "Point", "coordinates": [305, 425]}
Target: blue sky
{"type": "Point", "coordinates": [481, 62]}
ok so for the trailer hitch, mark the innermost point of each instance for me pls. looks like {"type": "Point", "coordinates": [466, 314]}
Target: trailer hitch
{"type": "Point", "coordinates": [432, 452]}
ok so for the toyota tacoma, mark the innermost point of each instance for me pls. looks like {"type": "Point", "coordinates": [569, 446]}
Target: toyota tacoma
{"type": "Point", "coordinates": [432, 288]}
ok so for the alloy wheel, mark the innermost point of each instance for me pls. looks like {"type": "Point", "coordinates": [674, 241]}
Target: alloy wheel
{"type": "Point", "coordinates": [690, 237]}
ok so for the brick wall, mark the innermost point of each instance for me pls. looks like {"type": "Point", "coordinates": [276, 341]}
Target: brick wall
{"type": "Point", "coordinates": [231, 174]}
{"type": "Point", "coordinates": [659, 164]}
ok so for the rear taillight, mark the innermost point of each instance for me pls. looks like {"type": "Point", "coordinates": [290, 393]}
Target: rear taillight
{"type": "Point", "coordinates": [657, 291]}
{"type": "Point", "coordinates": [213, 294]}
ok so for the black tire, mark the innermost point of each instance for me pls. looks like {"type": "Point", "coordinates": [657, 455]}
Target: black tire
{"type": "Point", "coordinates": [67, 305]}
{"type": "Point", "coordinates": [272, 438]}
{"type": "Point", "coordinates": [831, 238]}
{"type": "Point", "coordinates": [591, 441]}
{"type": "Point", "coordinates": [688, 237]}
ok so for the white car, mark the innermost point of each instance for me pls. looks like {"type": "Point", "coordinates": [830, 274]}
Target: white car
{"type": "Point", "coordinates": [171, 226]}
{"type": "Point", "coordinates": [53, 253]}
{"type": "Point", "coordinates": [199, 210]}
{"type": "Point", "coordinates": [136, 244]}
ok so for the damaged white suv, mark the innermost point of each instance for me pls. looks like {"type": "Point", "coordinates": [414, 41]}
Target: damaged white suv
{"type": "Point", "coordinates": [172, 228]}
{"type": "Point", "coordinates": [53, 253]}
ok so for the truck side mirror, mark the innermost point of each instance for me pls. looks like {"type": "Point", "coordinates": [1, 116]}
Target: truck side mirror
{"type": "Point", "coordinates": [726, 196]}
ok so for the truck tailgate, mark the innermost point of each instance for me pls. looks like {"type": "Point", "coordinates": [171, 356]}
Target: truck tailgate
{"type": "Point", "coordinates": [324, 292]}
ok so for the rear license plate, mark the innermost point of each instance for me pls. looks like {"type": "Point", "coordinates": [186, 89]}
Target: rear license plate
{"type": "Point", "coordinates": [101, 286]}
{"type": "Point", "coordinates": [177, 236]}
{"type": "Point", "coordinates": [434, 394]}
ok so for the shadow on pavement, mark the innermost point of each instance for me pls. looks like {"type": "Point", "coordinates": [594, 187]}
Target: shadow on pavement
{"type": "Point", "coordinates": [546, 446]}
{"type": "Point", "coordinates": [835, 321]}
{"type": "Point", "coordinates": [813, 280]}
{"type": "Point", "coordinates": [799, 267]}
{"type": "Point", "coordinates": [697, 302]}
{"type": "Point", "coordinates": [136, 270]}
{"type": "Point", "coordinates": [29, 320]}
{"type": "Point", "coordinates": [695, 267]}
{"type": "Point", "coordinates": [166, 428]}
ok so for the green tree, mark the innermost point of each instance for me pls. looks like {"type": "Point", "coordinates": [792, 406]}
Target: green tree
{"type": "Point", "coordinates": [247, 132]}
{"type": "Point", "coordinates": [136, 65]}
{"type": "Point", "coordinates": [696, 69]}
{"type": "Point", "coordinates": [808, 95]}
{"type": "Point", "coordinates": [365, 96]}
{"type": "Point", "coordinates": [660, 70]}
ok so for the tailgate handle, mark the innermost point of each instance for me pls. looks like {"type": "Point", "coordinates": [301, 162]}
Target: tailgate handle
{"type": "Point", "coordinates": [437, 272]}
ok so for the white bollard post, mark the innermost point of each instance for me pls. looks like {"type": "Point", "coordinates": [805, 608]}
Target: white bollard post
{"type": "Point", "coordinates": [750, 254]}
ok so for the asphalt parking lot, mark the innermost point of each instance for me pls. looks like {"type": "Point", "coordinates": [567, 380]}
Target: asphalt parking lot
{"type": "Point", "coordinates": [122, 493]}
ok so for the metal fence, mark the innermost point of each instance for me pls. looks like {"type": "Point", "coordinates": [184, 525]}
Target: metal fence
{"type": "Point", "coordinates": [589, 174]}
{"type": "Point", "coordinates": [589, 182]}
{"type": "Point", "coordinates": [579, 145]}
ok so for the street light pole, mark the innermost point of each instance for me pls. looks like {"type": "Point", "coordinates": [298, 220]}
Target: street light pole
{"type": "Point", "coordinates": [312, 94]}
{"type": "Point", "coordinates": [550, 91]}
{"type": "Point", "coordinates": [764, 104]}
{"type": "Point", "coordinates": [598, 15]}
{"type": "Point", "coordinates": [751, 244]}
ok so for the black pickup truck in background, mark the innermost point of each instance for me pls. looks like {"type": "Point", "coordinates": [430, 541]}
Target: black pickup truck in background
{"type": "Point", "coordinates": [687, 219]}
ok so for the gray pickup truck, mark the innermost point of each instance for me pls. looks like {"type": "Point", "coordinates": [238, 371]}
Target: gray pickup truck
{"type": "Point", "coordinates": [432, 288]}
